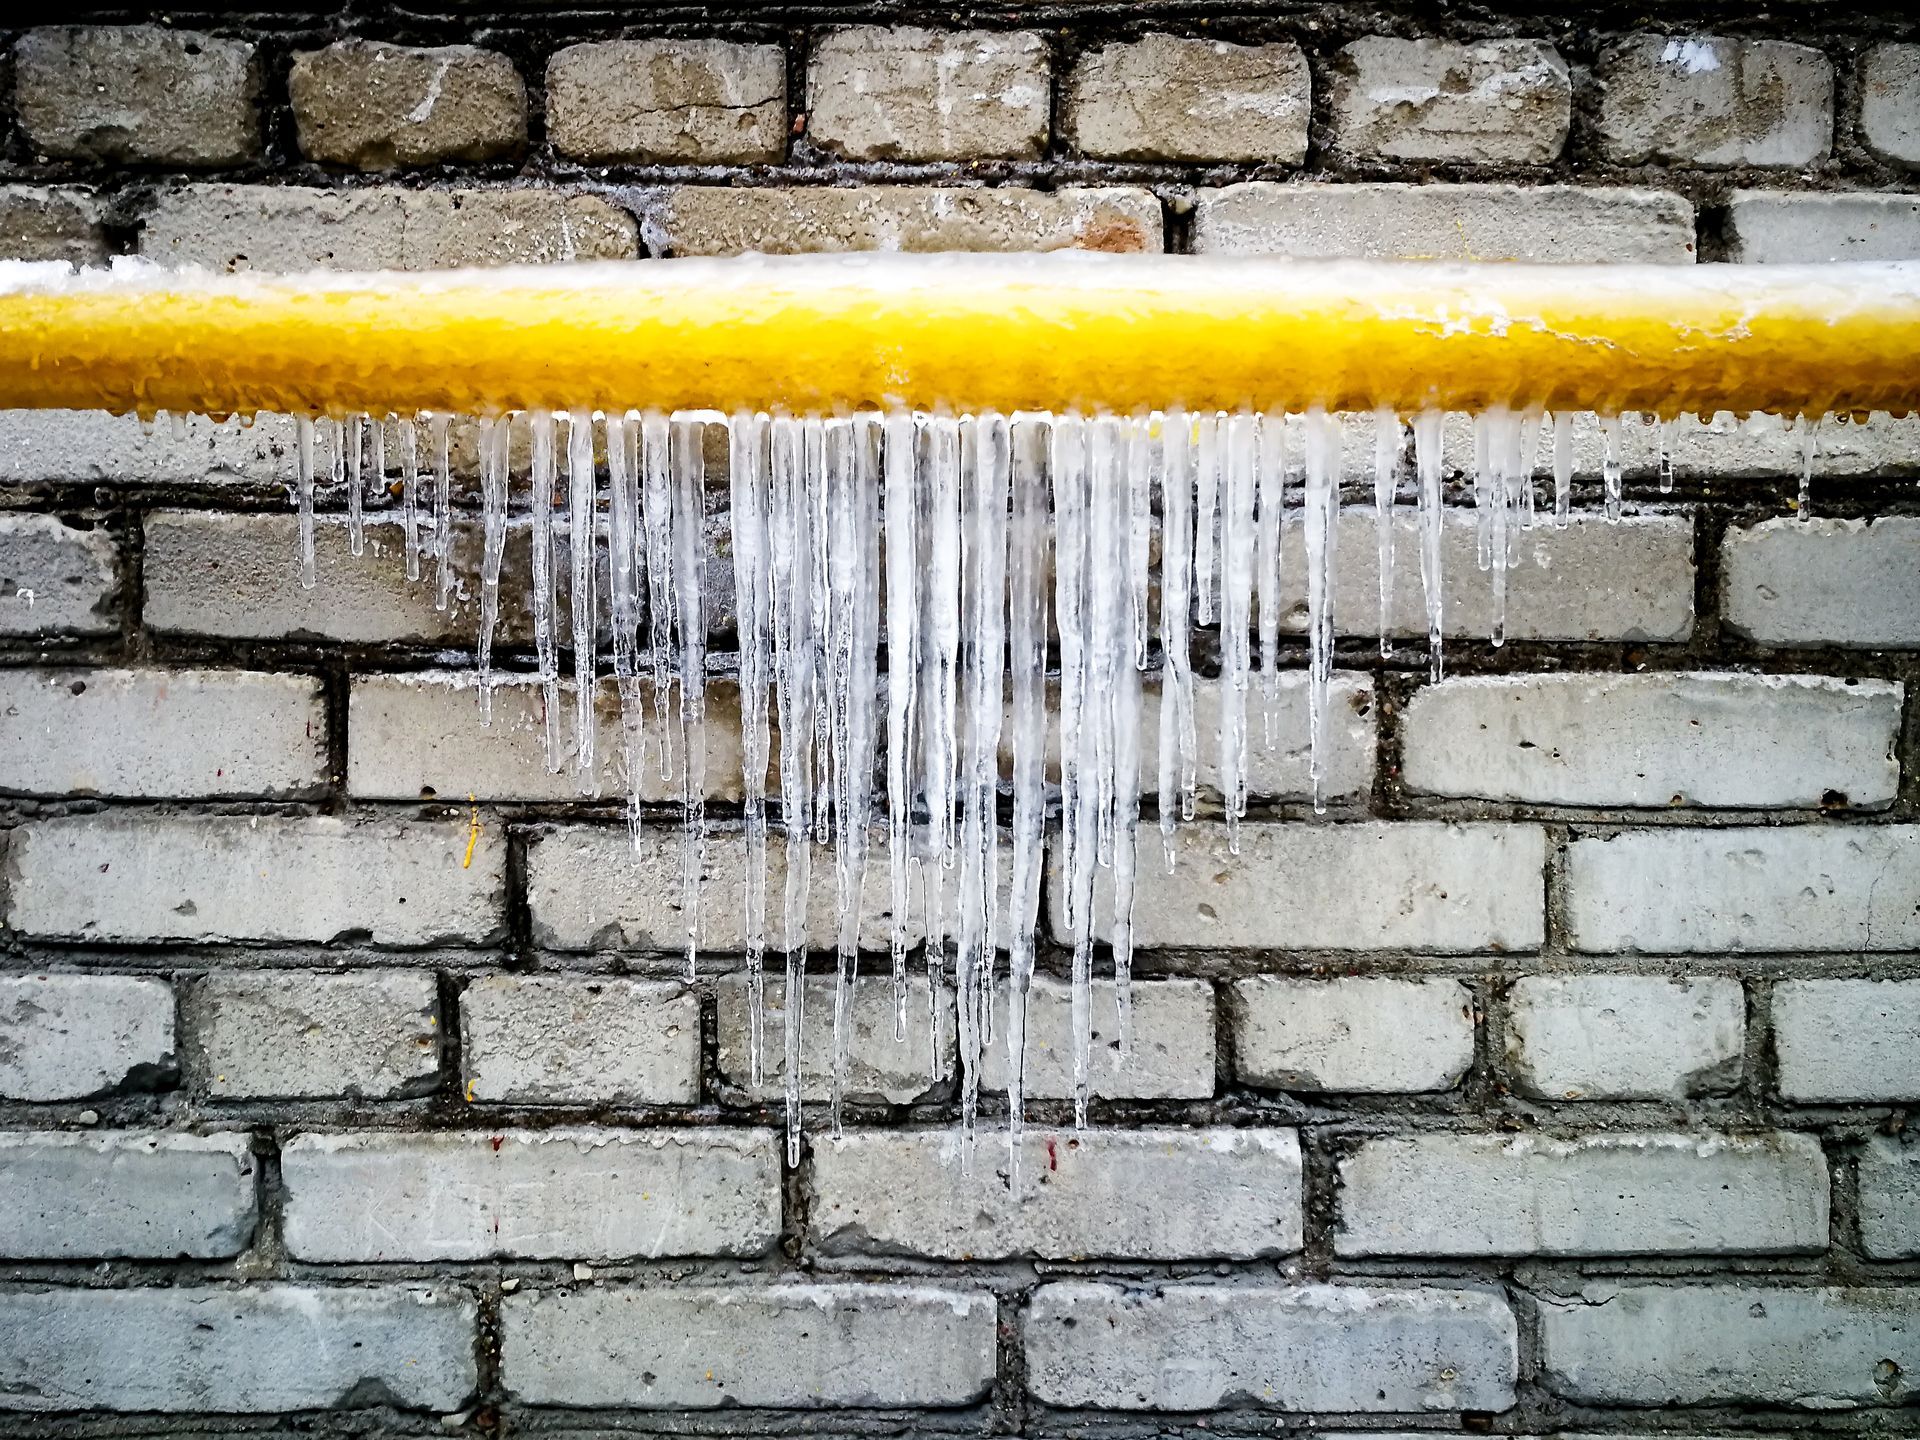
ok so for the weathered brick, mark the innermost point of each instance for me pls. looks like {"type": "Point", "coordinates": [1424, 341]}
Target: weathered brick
{"type": "Point", "coordinates": [1366, 886]}
{"type": "Point", "coordinates": [1598, 1195]}
{"type": "Point", "coordinates": [287, 227]}
{"type": "Point", "coordinates": [1125, 1195]}
{"type": "Point", "coordinates": [1357, 1035]}
{"type": "Point", "coordinates": [1657, 739]}
{"type": "Point", "coordinates": [55, 577]}
{"type": "Point", "coordinates": [1890, 1199]}
{"type": "Point", "coordinates": [419, 734]}
{"type": "Point", "coordinates": [1803, 887]}
{"type": "Point", "coordinates": [158, 878]}
{"type": "Point", "coordinates": [1624, 1037]}
{"type": "Point", "coordinates": [1847, 1039]}
{"type": "Point", "coordinates": [162, 733]}
{"type": "Point", "coordinates": [124, 1192]}
{"type": "Point", "coordinates": [1166, 97]}
{"type": "Point", "coordinates": [1812, 1348]}
{"type": "Point", "coordinates": [566, 1194]}
{"type": "Point", "coordinates": [371, 106]}
{"type": "Point", "coordinates": [66, 1037]}
{"type": "Point", "coordinates": [50, 222]}
{"type": "Point", "coordinates": [95, 448]}
{"type": "Point", "coordinates": [879, 1068]}
{"type": "Point", "coordinates": [1824, 582]}
{"type": "Point", "coordinates": [1316, 221]}
{"type": "Point", "coordinates": [235, 1350]}
{"type": "Point", "coordinates": [704, 101]}
{"type": "Point", "coordinates": [137, 95]}
{"type": "Point", "coordinates": [1768, 227]}
{"type": "Point", "coordinates": [287, 1035]}
{"type": "Point", "coordinates": [1171, 1056]}
{"type": "Point", "coordinates": [903, 93]}
{"type": "Point", "coordinates": [719, 220]}
{"type": "Point", "coordinates": [785, 1346]}
{"type": "Point", "coordinates": [561, 1039]}
{"type": "Point", "coordinates": [1890, 102]}
{"type": "Point", "coordinates": [1295, 1347]}
{"type": "Point", "coordinates": [1713, 100]}
{"type": "Point", "coordinates": [1491, 102]}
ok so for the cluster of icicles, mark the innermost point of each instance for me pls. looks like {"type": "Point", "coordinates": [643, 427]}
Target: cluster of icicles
{"type": "Point", "coordinates": [996, 530]}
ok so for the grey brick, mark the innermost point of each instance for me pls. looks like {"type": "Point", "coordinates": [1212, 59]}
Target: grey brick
{"type": "Point", "coordinates": [1624, 1037]}
{"type": "Point", "coordinates": [563, 1039]}
{"type": "Point", "coordinates": [162, 733]}
{"type": "Point", "coordinates": [1890, 1199]}
{"type": "Point", "coordinates": [719, 220]}
{"type": "Point", "coordinates": [1292, 1347]}
{"type": "Point", "coordinates": [51, 222]}
{"type": "Point", "coordinates": [233, 1350]}
{"type": "Point", "coordinates": [125, 1192]}
{"type": "Point", "coordinates": [903, 93]}
{"type": "Point", "coordinates": [1392, 221]}
{"type": "Point", "coordinates": [1803, 887]}
{"type": "Point", "coordinates": [370, 106]}
{"type": "Point", "coordinates": [1153, 1194]}
{"type": "Point", "coordinates": [95, 448]}
{"type": "Point", "coordinates": [1166, 97]}
{"type": "Point", "coordinates": [1767, 227]}
{"type": "Point", "coordinates": [784, 1346]}
{"type": "Point", "coordinates": [1631, 1194]}
{"type": "Point", "coordinates": [55, 577]}
{"type": "Point", "coordinates": [565, 1194]}
{"type": "Point", "coordinates": [1491, 102]}
{"type": "Point", "coordinates": [287, 227]}
{"type": "Point", "coordinates": [1173, 1042]}
{"type": "Point", "coordinates": [703, 101]}
{"type": "Point", "coordinates": [1358, 1034]}
{"type": "Point", "coordinates": [137, 95]}
{"type": "Point", "coordinates": [879, 1070]}
{"type": "Point", "coordinates": [1366, 886]}
{"type": "Point", "coordinates": [165, 878]}
{"type": "Point", "coordinates": [1847, 1039]}
{"type": "Point", "coordinates": [1890, 102]}
{"type": "Point", "coordinates": [1852, 583]}
{"type": "Point", "coordinates": [1713, 100]}
{"type": "Point", "coordinates": [287, 1035]}
{"type": "Point", "coordinates": [1808, 1348]}
{"type": "Point", "coordinates": [1657, 739]}
{"type": "Point", "coordinates": [65, 1037]}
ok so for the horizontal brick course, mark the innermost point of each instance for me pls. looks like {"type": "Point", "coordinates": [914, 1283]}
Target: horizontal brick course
{"type": "Point", "coordinates": [1492, 102]}
{"type": "Point", "coordinates": [904, 93]}
{"type": "Point", "coordinates": [67, 1037]}
{"type": "Point", "coordinates": [1171, 1056]}
{"type": "Point", "coordinates": [1824, 582]}
{"type": "Point", "coordinates": [575, 1040]}
{"type": "Point", "coordinates": [879, 1069]}
{"type": "Point", "coordinates": [1167, 97]}
{"type": "Point", "coordinates": [125, 1193]}
{"type": "Point", "coordinates": [700, 101]}
{"type": "Point", "coordinates": [1714, 101]}
{"type": "Point", "coordinates": [1768, 227]}
{"type": "Point", "coordinates": [372, 1034]}
{"type": "Point", "coordinates": [1879, 1058]}
{"type": "Point", "coordinates": [370, 106]}
{"type": "Point", "coordinates": [55, 577]}
{"type": "Point", "coordinates": [1361, 1035]}
{"type": "Point", "coordinates": [1624, 1037]}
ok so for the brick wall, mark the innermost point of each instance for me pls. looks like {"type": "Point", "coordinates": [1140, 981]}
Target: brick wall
{"type": "Point", "coordinates": [1557, 1083]}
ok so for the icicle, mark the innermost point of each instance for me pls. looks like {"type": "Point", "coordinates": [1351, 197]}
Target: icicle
{"type": "Point", "coordinates": [1270, 525]}
{"type": "Point", "coordinates": [1562, 469]}
{"type": "Point", "coordinates": [1178, 765]}
{"type": "Point", "coordinates": [1610, 458]}
{"type": "Point", "coordinates": [1079, 786]}
{"type": "Point", "coordinates": [1236, 621]}
{"type": "Point", "coordinates": [493, 503]}
{"type": "Point", "coordinates": [1809, 433]}
{"type": "Point", "coordinates": [1140, 529]}
{"type": "Point", "coordinates": [303, 479]}
{"type": "Point", "coordinates": [353, 435]}
{"type": "Point", "coordinates": [1323, 528]}
{"type": "Point", "coordinates": [689, 585]}
{"type": "Point", "coordinates": [1131, 613]}
{"type": "Point", "coordinates": [1482, 490]}
{"type": "Point", "coordinates": [1387, 443]}
{"type": "Point", "coordinates": [1106, 594]}
{"type": "Point", "coordinates": [1428, 427]}
{"type": "Point", "coordinates": [540, 480]}
{"type": "Point", "coordinates": [1503, 431]}
{"type": "Point", "coordinates": [747, 482]}
{"type": "Point", "coordinates": [1206, 544]}
{"type": "Point", "coordinates": [939, 659]}
{"type": "Point", "coordinates": [656, 512]}
{"type": "Point", "coordinates": [410, 495]}
{"type": "Point", "coordinates": [1027, 582]}
{"type": "Point", "coordinates": [1526, 460]}
{"type": "Point", "coordinates": [1667, 428]}
{"type": "Point", "coordinates": [903, 665]}
{"type": "Point", "coordinates": [377, 454]}
{"type": "Point", "coordinates": [624, 586]}
{"type": "Point", "coordinates": [582, 503]}
{"type": "Point", "coordinates": [442, 509]}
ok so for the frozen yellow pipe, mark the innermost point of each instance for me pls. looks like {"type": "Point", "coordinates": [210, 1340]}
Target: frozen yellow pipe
{"type": "Point", "coordinates": [969, 333]}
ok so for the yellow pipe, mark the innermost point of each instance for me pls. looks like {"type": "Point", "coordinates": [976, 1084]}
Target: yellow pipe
{"type": "Point", "coordinates": [967, 333]}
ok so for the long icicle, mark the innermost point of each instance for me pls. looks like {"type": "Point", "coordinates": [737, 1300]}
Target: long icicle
{"type": "Point", "coordinates": [1177, 730]}
{"type": "Point", "coordinates": [1270, 527]}
{"type": "Point", "coordinates": [689, 589]}
{"type": "Point", "coordinates": [903, 641]}
{"type": "Point", "coordinates": [656, 523]}
{"type": "Point", "coordinates": [582, 504]}
{"type": "Point", "coordinates": [939, 661]}
{"type": "Point", "coordinates": [1323, 529]}
{"type": "Point", "coordinates": [540, 480]}
{"type": "Point", "coordinates": [1387, 443]}
{"type": "Point", "coordinates": [843, 542]}
{"type": "Point", "coordinates": [1236, 620]}
{"type": "Point", "coordinates": [493, 512]}
{"type": "Point", "coordinates": [1079, 787]}
{"type": "Point", "coordinates": [747, 479]}
{"type": "Point", "coordinates": [1027, 571]}
{"type": "Point", "coordinates": [1129, 617]}
{"type": "Point", "coordinates": [410, 494]}
{"type": "Point", "coordinates": [1428, 427]}
{"type": "Point", "coordinates": [303, 481]}
{"type": "Point", "coordinates": [355, 446]}
{"type": "Point", "coordinates": [442, 444]}
{"type": "Point", "coordinates": [625, 580]}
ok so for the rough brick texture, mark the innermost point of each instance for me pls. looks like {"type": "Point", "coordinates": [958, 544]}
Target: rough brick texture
{"type": "Point", "coordinates": [1768, 227]}
{"type": "Point", "coordinates": [39, 222]}
{"type": "Point", "coordinates": [902, 93]}
{"type": "Point", "coordinates": [1824, 582]}
{"type": "Point", "coordinates": [66, 1037]}
{"type": "Point", "coordinates": [147, 1195]}
{"type": "Point", "coordinates": [707, 101]}
{"type": "Point", "coordinates": [1164, 97]}
{"type": "Point", "coordinates": [1714, 101]}
{"type": "Point", "coordinates": [1881, 1057]}
{"type": "Point", "coordinates": [372, 1034]}
{"type": "Point", "coordinates": [1624, 1037]}
{"type": "Point", "coordinates": [1890, 102]}
{"type": "Point", "coordinates": [1358, 1035]}
{"type": "Point", "coordinates": [556, 1040]}
{"type": "Point", "coordinates": [383, 107]}
{"type": "Point", "coordinates": [1890, 1200]}
{"type": "Point", "coordinates": [55, 577]}
{"type": "Point", "coordinates": [1497, 102]}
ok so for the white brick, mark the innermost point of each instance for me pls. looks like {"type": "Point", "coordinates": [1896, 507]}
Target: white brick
{"type": "Point", "coordinates": [903, 93]}
{"type": "Point", "coordinates": [155, 733]}
{"type": "Point", "coordinates": [1564, 223]}
{"type": "Point", "coordinates": [1492, 102]}
{"type": "Point", "coordinates": [1768, 227]}
{"type": "Point", "coordinates": [160, 1196]}
{"type": "Point", "coordinates": [1150, 1194]}
{"type": "Point", "coordinates": [1802, 887]}
{"type": "Point", "coordinates": [1372, 885]}
{"type": "Point", "coordinates": [292, 1034]}
{"type": "Point", "coordinates": [1890, 1199]}
{"type": "Point", "coordinates": [65, 1037]}
{"type": "Point", "coordinates": [1167, 97]}
{"type": "Point", "coordinates": [784, 1346]}
{"type": "Point", "coordinates": [97, 448]}
{"type": "Point", "coordinates": [1299, 1347]}
{"type": "Point", "coordinates": [1171, 1057]}
{"type": "Point", "coordinates": [233, 1350]}
{"type": "Point", "coordinates": [1357, 1035]}
{"type": "Point", "coordinates": [1657, 739]}
{"type": "Point", "coordinates": [1824, 582]}
{"type": "Point", "coordinates": [564, 1039]}
{"type": "Point", "coordinates": [1713, 100]}
{"type": "Point", "coordinates": [55, 577]}
{"type": "Point", "coordinates": [1624, 1037]}
{"type": "Point", "coordinates": [1809, 1348]}
{"type": "Point", "coordinates": [1890, 102]}
{"type": "Point", "coordinates": [564, 1194]}
{"type": "Point", "coordinates": [879, 1070]}
{"type": "Point", "coordinates": [705, 101]}
{"type": "Point", "coordinates": [156, 878]}
{"type": "Point", "coordinates": [1847, 1039]}
{"type": "Point", "coordinates": [1598, 1195]}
